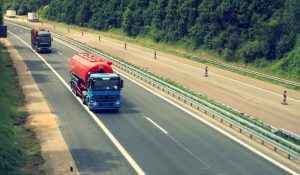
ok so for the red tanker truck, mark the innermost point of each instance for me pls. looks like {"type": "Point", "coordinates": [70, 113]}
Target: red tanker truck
{"type": "Point", "coordinates": [93, 79]}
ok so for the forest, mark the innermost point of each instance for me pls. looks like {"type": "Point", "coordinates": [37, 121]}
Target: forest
{"type": "Point", "coordinates": [238, 30]}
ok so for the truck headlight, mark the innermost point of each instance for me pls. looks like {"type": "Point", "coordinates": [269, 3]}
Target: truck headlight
{"type": "Point", "coordinates": [94, 104]}
{"type": "Point", "coordinates": [118, 103]}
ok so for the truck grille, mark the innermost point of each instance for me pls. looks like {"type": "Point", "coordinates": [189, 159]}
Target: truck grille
{"type": "Point", "coordinates": [101, 98]}
{"type": "Point", "coordinates": [44, 45]}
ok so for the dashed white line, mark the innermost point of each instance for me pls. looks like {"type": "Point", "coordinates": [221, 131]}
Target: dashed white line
{"type": "Point", "coordinates": [155, 124]}
{"type": "Point", "coordinates": [257, 152]}
{"type": "Point", "coordinates": [59, 53]}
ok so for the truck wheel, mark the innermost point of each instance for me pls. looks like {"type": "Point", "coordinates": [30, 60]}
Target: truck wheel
{"type": "Point", "coordinates": [73, 88]}
{"type": "Point", "coordinates": [36, 49]}
{"type": "Point", "coordinates": [85, 100]}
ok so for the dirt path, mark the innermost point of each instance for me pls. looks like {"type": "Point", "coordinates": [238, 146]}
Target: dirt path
{"type": "Point", "coordinates": [58, 158]}
{"type": "Point", "coordinates": [248, 95]}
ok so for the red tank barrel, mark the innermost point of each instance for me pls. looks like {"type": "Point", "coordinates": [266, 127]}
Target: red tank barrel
{"type": "Point", "coordinates": [83, 63]}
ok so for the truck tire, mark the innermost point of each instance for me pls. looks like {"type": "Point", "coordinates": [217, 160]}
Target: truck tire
{"type": "Point", "coordinates": [73, 87]}
{"type": "Point", "coordinates": [36, 49]}
{"type": "Point", "coordinates": [84, 100]}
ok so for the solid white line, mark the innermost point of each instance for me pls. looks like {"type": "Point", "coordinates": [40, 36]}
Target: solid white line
{"type": "Point", "coordinates": [155, 124]}
{"type": "Point", "coordinates": [211, 125]}
{"type": "Point", "coordinates": [132, 162]}
{"type": "Point", "coordinates": [59, 53]}
{"type": "Point", "coordinates": [264, 90]}
{"type": "Point", "coordinates": [287, 169]}
{"type": "Point", "coordinates": [218, 75]}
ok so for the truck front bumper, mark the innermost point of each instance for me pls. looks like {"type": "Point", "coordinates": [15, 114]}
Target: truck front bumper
{"type": "Point", "coordinates": [44, 49]}
{"type": "Point", "coordinates": [104, 105]}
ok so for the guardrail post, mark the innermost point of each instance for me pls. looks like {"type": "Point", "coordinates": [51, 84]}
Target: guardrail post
{"type": "Point", "coordinates": [275, 149]}
{"type": "Point", "coordinates": [99, 38]}
{"type": "Point", "coordinates": [251, 136]}
{"type": "Point", "coordinates": [155, 55]}
{"type": "Point", "coordinates": [289, 156]}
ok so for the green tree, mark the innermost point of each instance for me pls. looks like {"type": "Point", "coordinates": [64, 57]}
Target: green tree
{"type": "Point", "coordinates": [171, 21]}
{"type": "Point", "coordinates": [83, 13]}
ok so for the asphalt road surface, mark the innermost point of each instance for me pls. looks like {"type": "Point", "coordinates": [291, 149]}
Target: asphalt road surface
{"type": "Point", "coordinates": [160, 137]}
{"type": "Point", "coordinates": [248, 95]}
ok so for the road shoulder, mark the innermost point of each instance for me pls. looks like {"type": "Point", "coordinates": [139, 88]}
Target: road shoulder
{"type": "Point", "coordinates": [54, 149]}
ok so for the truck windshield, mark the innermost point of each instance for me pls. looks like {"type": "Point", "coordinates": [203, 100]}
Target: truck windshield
{"type": "Point", "coordinates": [44, 39]}
{"type": "Point", "coordinates": [105, 85]}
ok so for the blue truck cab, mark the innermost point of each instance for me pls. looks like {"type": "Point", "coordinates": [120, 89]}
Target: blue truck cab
{"type": "Point", "coordinates": [103, 91]}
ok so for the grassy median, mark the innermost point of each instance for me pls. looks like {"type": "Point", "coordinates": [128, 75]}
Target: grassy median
{"type": "Point", "coordinates": [19, 148]}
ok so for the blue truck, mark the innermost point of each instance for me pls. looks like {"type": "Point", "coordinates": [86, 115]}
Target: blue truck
{"type": "Point", "coordinates": [93, 79]}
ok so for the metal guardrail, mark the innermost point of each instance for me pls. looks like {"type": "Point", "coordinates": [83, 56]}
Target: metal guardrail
{"type": "Point", "coordinates": [224, 113]}
{"type": "Point", "coordinates": [279, 143]}
{"type": "Point", "coordinates": [242, 70]}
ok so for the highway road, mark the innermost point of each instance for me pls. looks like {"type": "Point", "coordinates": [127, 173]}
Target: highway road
{"type": "Point", "coordinates": [159, 136]}
{"type": "Point", "coordinates": [248, 95]}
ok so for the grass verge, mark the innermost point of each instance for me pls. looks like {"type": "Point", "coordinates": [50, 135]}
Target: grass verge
{"type": "Point", "coordinates": [19, 147]}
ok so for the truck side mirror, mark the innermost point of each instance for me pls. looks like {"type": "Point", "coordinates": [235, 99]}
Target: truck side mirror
{"type": "Point", "coordinates": [121, 83]}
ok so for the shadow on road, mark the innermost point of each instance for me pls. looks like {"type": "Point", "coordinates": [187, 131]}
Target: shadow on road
{"type": "Point", "coordinates": [94, 161]}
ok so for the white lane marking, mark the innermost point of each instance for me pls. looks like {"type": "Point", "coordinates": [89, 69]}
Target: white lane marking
{"type": "Point", "coordinates": [59, 53]}
{"type": "Point", "coordinates": [180, 144]}
{"type": "Point", "coordinates": [280, 165]}
{"type": "Point", "coordinates": [132, 162]}
{"type": "Point", "coordinates": [264, 90]}
{"type": "Point", "coordinates": [155, 124]}
{"type": "Point", "coordinates": [285, 168]}
{"type": "Point", "coordinates": [191, 153]}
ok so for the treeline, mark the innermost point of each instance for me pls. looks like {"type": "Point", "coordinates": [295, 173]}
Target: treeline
{"type": "Point", "coordinates": [22, 7]}
{"type": "Point", "coordinates": [240, 30]}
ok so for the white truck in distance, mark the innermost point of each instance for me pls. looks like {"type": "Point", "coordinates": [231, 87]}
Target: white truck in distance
{"type": "Point", "coordinates": [10, 13]}
{"type": "Point", "coordinates": [33, 16]}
